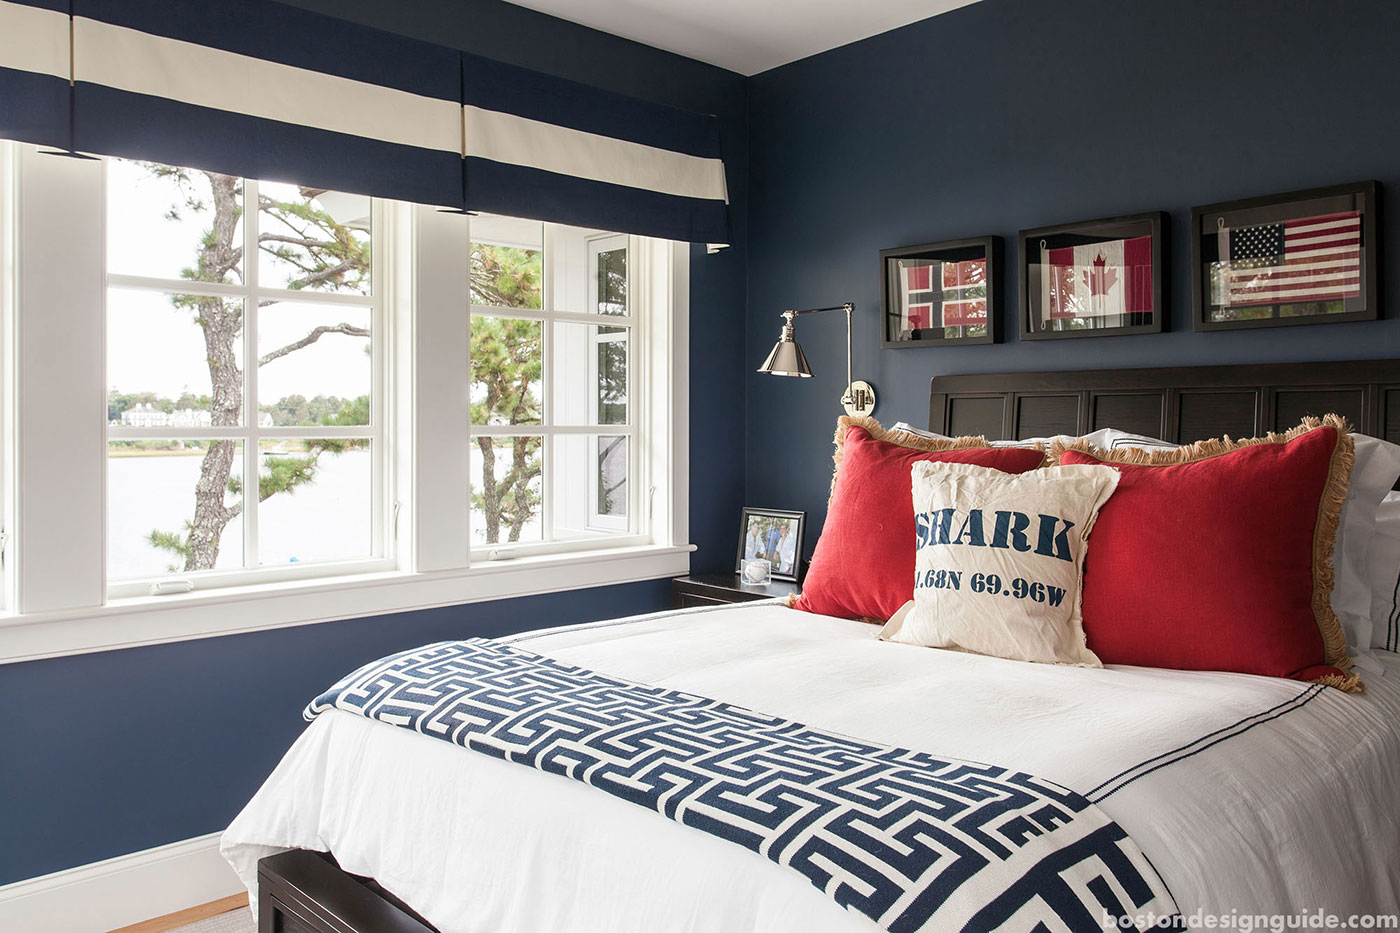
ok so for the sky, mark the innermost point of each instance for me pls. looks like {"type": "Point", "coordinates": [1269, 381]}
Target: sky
{"type": "Point", "coordinates": [154, 347]}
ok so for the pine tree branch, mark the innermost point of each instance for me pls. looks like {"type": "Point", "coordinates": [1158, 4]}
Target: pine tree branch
{"type": "Point", "coordinates": [315, 335]}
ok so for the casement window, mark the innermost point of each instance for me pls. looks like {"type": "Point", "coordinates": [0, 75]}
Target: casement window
{"type": "Point", "coordinates": [553, 417]}
{"type": "Point", "coordinates": [238, 404]}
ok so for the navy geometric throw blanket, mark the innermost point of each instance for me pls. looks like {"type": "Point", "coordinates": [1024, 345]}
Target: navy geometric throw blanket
{"type": "Point", "coordinates": [911, 840]}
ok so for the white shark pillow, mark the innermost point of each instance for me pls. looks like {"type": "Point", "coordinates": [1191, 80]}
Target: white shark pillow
{"type": "Point", "coordinates": [999, 559]}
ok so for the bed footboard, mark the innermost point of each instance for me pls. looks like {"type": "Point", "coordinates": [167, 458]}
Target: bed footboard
{"type": "Point", "coordinates": [307, 892]}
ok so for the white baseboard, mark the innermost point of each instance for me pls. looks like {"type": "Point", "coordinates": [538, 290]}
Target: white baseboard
{"type": "Point", "coordinates": [127, 889]}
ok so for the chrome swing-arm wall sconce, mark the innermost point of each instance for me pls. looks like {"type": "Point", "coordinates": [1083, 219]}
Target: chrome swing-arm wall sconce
{"type": "Point", "coordinates": [787, 359]}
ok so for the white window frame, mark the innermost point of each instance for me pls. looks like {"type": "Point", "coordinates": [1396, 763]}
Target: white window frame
{"type": "Point", "coordinates": [251, 434]}
{"type": "Point", "coordinates": [52, 359]}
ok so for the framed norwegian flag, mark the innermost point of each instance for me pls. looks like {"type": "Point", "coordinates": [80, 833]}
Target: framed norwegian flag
{"type": "Point", "coordinates": [1309, 257]}
{"type": "Point", "coordinates": [941, 294]}
{"type": "Point", "coordinates": [1098, 278]}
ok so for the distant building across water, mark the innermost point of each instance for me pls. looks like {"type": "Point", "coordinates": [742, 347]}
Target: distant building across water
{"type": "Point", "coordinates": [146, 415]}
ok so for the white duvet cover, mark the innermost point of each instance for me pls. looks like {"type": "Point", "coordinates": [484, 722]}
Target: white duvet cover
{"type": "Point", "coordinates": [1249, 794]}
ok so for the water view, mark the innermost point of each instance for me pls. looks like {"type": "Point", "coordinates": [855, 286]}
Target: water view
{"type": "Point", "coordinates": [326, 519]}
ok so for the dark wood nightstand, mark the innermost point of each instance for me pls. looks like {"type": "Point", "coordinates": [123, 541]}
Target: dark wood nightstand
{"type": "Point", "coordinates": [710, 589]}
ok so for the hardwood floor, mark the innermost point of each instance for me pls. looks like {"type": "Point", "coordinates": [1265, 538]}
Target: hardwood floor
{"type": "Point", "coordinates": [189, 915]}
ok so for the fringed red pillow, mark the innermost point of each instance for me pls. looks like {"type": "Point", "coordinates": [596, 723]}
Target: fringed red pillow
{"type": "Point", "coordinates": [1218, 555]}
{"type": "Point", "coordinates": [863, 566]}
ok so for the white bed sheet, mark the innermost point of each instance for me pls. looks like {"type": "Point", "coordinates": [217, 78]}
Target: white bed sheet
{"type": "Point", "coordinates": [1248, 794]}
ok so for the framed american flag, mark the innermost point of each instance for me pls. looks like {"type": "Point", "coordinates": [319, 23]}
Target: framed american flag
{"type": "Point", "coordinates": [941, 294]}
{"type": "Point", "coordinates": [1095, 278]}
{"type": "Point", "coordinates": [1309, 257]}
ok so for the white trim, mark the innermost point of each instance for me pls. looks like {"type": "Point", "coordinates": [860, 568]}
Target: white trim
{"type": "Point", "coordinates": [222, 579]}
{"type": "Point", "coordinates": [516, 140]}
{"type": "Point", "coordinates": [60, 362]}
{"type": "Point", "coordinates": [671, 424]}
{"type": "Point", "coordinates": [34, 39]}
{"type": "Point", "coordinates": [154, 620]}
{"type": "Point", "coordinates": [130, 60]}
{"type": "Point", "coordinates": [439, 351]}
{"type": "Point", "coordinates": [9, 385]}
{"type": "Point", "coordinates": [121, 891]}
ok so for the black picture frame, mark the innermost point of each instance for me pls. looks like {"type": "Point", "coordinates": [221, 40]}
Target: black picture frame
{"type": "Point", "coordinates": [986, 250]}
{"type": "Point", "coordinates": [1212, 223]}
{"type": "Point", "coordinates": [794, 520]}
{"type": "Point", "coordinates": [1035, 242]}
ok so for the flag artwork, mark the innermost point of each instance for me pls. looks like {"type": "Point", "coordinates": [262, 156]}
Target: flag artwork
{"type": "Point", "coordinates": [1106, 279]}
{"type": "Point", "coordinates": [1305, 259]}
{"type": "Point", "coordinates": [943, 294]}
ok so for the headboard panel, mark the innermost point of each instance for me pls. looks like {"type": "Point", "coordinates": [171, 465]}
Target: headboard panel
{"type": "Point", "coordinates": [1180, 404]}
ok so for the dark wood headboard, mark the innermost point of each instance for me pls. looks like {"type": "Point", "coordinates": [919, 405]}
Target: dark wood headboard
{"type": "Point", "coordinates": [1179, 404]}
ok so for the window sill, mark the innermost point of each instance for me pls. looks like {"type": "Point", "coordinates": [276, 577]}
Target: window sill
{"type": "Point", "coordinates": [153, 620]}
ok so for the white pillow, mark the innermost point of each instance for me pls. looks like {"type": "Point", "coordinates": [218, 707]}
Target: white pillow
{"type": "Point", "coordinates": [999, 560]}
{"type": "Point", "coordinates": [1106, 438]}
{"type": "Point", "coordinates": [1026, 442]}
{"type": "Point", "coordinates": [1373, 475]}
{"type": "Point", "coordinates": [1385, 575]}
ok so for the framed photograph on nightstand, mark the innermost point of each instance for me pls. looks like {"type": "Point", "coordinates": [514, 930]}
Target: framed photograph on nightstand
{"type": "Point", "coordinates": [772, 535]}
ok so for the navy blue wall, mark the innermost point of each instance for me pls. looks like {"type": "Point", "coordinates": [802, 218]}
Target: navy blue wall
{"type": "Point", "coordinates": [110, 753]}
{"type": "Point", "coordinates": [1010, 114]}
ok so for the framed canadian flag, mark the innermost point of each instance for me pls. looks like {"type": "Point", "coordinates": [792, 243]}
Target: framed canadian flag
{"type": "Point", "coordinates": [1097, 278]}
{"type": "Point", "coordinates": [941, 294]}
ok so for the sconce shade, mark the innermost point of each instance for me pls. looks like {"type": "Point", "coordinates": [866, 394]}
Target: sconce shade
{"type": "Point", "coordinates": [786, 359]}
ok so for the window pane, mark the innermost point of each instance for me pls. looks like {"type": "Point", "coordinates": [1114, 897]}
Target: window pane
{"type": "Point", "coordinates": [611, 473]}
{"type": "Point", "coordinates": [589, 366]}
{"type": "Point", "coordinates": [314, 364]}
{"type": "Point", "coordinates": [174, 223]}
{"type": "Point", "coordinates": [589, 481]}
{"type": "Point", "coordinates": [609, 279]}
{"type": "Point", "coordinates": [507, 491]}
{"type": "Point", "coordinates": [317, 500]}
{"type": "Point", "coordinates": [507, 262]}
{"type": "Point", "coordinates": [173, 507]}
{"type": "Point", "coordinates": [505, 370]}
{"type": "Point", "coordinates": [173, 360]}
{"type": "Point", "coordinates": [312, 239]}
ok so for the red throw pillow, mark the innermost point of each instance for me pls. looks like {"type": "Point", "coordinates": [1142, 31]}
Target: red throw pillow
{"type": "Point", "coordinates": [863, 566]}
{"type": "Point", "coordinates": [1218, 556]}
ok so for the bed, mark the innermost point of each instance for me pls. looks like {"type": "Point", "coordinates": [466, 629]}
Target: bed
{"type": "Point", "coordinates": [1248, 794]}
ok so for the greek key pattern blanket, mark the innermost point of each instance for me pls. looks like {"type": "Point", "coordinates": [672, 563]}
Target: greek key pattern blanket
{"type": "Point", "coordinates": [911, 840]}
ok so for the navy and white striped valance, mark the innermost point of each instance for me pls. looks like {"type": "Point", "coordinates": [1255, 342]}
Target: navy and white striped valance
{"type": "Point", "coordinates": [583, 156]}
{"type": "Point", "coordinates": [265, 90]}
{"type": "Point", "coordinates": [34, 71]}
